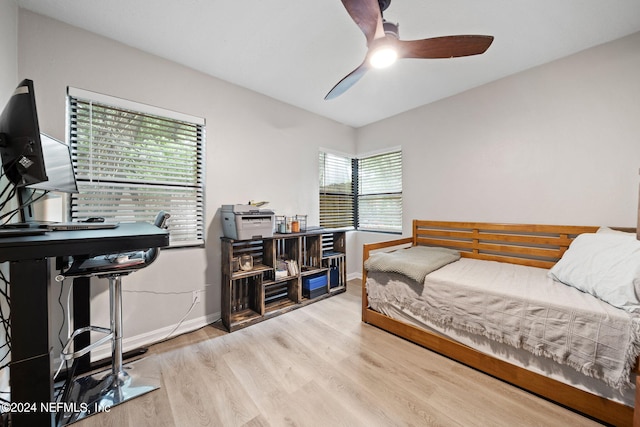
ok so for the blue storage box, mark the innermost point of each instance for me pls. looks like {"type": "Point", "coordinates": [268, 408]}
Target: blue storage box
{"type": "Point", "coordinates": [334, 275]}
{"type": "Point", "coordinates": [313, 287]}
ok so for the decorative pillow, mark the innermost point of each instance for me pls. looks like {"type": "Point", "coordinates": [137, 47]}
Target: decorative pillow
{"type": "Point", "coordinates": [605, 265]}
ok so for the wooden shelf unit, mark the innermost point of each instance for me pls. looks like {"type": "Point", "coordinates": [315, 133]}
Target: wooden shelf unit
{"type": "Point", "coordinates": [250, 297]}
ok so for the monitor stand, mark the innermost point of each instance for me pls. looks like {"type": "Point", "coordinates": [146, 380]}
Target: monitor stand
{"type": "Point", "coordinates": [25, 205]}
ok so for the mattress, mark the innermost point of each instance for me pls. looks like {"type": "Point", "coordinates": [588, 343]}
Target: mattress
{"type": "Point", "coordinates": [486, 305]}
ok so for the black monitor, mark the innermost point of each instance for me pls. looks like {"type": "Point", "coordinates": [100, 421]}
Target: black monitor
{"type": "Point", "coordinates": [59, 167]}
{"type": "Point", "coordinates": [24, 150]}
{"type": "Point", "coordinates": [20, 145]}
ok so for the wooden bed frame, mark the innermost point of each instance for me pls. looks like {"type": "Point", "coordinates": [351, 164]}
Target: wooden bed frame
{"type": "Point", "coordinates": [525, 244]}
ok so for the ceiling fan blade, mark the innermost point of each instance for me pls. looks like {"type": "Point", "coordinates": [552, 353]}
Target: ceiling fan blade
{"type": "Point", "coordinates": [348, 81]}
{"type": "Point", "coordinates": [444, 47]}
{"type": "Point", "coordinates": [367, 15]}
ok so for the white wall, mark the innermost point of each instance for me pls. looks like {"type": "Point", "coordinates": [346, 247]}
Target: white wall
{"type": "Point", "coordinates": [8, 49]}
{"type": "Point", "coordinates": [558, 144]}
{"type": "Point", "coordinates": [257, 148]}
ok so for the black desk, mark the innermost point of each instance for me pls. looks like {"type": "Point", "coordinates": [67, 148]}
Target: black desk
{"type": "Point", "coordinates": [30, 373]}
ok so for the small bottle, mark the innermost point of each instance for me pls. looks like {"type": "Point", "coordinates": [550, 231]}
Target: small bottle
{"type": "Point", "coordinates": [289, 223]}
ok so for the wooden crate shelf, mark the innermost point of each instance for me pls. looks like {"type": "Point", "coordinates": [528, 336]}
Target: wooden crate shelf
{"type": "Point", "coordinates": [307, 271]}
{"type": "Point", "coordinates": [252, 296]}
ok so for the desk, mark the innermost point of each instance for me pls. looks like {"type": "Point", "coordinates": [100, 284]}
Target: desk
{"type": "Point", "coordinates": [30, 373]}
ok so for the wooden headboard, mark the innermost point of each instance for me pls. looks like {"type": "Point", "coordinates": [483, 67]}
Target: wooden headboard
{"type": "Point", "coordinates": [535, 245]}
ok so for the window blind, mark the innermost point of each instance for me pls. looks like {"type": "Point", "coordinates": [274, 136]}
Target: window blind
{"type": "Point", "coordinates": [130, 164]}
{"type": "Point", "coordinates": [336, 191]}
{"type": "Point", "coordinates": [380, 192]}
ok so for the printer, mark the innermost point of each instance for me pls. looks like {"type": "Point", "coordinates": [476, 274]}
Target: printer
{"type": "Point", "coordinates": [244, 222]}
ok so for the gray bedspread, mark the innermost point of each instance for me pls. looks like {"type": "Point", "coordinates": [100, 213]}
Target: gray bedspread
{"type": "Point", "coordinates": [522, 307]}
{"type": "Point", "coordinates": [414, 262]}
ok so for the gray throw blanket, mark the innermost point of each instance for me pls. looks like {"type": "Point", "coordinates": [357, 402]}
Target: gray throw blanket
{"type": "Point", "coordinates": [414, 262]}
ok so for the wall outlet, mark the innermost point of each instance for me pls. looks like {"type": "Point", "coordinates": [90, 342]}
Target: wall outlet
{"type": "Point", "coordinates": [196, 297]}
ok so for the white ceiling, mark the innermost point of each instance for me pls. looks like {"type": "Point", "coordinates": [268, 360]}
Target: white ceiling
{"type": "Point", "coordinates": [297, 50]}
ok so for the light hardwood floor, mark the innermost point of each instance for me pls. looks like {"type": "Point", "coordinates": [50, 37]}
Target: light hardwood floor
{"type": "Point", "coordinates": [321, 366]}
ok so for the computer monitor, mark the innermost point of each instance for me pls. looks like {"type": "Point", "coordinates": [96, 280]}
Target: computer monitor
{"type": "Point", "coordinates": [20, 145]}
{"type": "Point", "coordinates": [31, 160]}
{"type": "Point", "coordinates": [59, 167]}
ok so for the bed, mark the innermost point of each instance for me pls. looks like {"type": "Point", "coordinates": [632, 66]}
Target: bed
{"type": "Point", "coordinates": [469, 306]}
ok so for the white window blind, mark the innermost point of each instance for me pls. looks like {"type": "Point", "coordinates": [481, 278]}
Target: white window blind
{"type": "Point", "coordinates": [336, 191]}
{"type": "Point", "coordinates": [380, 192]}
{"type": "Point", "coordinates": [133, 160]}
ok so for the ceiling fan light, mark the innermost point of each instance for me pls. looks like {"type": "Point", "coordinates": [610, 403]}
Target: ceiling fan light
{"type": "Point", "coordinates": [383, 57]}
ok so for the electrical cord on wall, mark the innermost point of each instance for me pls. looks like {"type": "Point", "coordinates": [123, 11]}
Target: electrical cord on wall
{"type": "Point", "coordinates": [67, 313]}
{"type": "Point", "coordinates": [193, 304]}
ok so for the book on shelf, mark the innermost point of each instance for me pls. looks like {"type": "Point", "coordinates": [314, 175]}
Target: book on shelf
{"type": "Point", "coordinates": [292, 267]}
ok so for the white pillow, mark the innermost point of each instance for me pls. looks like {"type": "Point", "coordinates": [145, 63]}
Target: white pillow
{"type": "Point", "coordinates": [606, 265]}
{"type": "Point", "coordinates": [612, 231]}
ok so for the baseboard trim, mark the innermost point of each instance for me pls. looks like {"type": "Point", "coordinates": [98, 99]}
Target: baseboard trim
{"type": "Point", "coordinates": [156, 336]}
{"type": "Point", "coordinates": [356, 275]}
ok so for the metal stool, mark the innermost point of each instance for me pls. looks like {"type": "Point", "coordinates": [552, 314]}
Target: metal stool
{"type": "Point", "coordinates": [98, 392]}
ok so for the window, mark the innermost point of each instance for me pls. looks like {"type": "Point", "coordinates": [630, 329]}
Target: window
{"type": "Point", "coordinates": [133, 160]}
{"type": "Point", "coordinates": [363, 193]}
{"type": "Point", "coordinates": [336, 191]}
{"type": "Point", "coordinates": [380, 192]}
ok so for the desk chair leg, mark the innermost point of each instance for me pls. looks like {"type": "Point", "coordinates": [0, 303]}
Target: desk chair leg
{"type": "Point", "coordinates": [115, 296]}
{"type": "Point", "coordinates": [98, 392]}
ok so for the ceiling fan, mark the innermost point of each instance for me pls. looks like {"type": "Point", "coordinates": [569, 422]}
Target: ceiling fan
{"type": "Point", "coordinates": [384, 44]}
